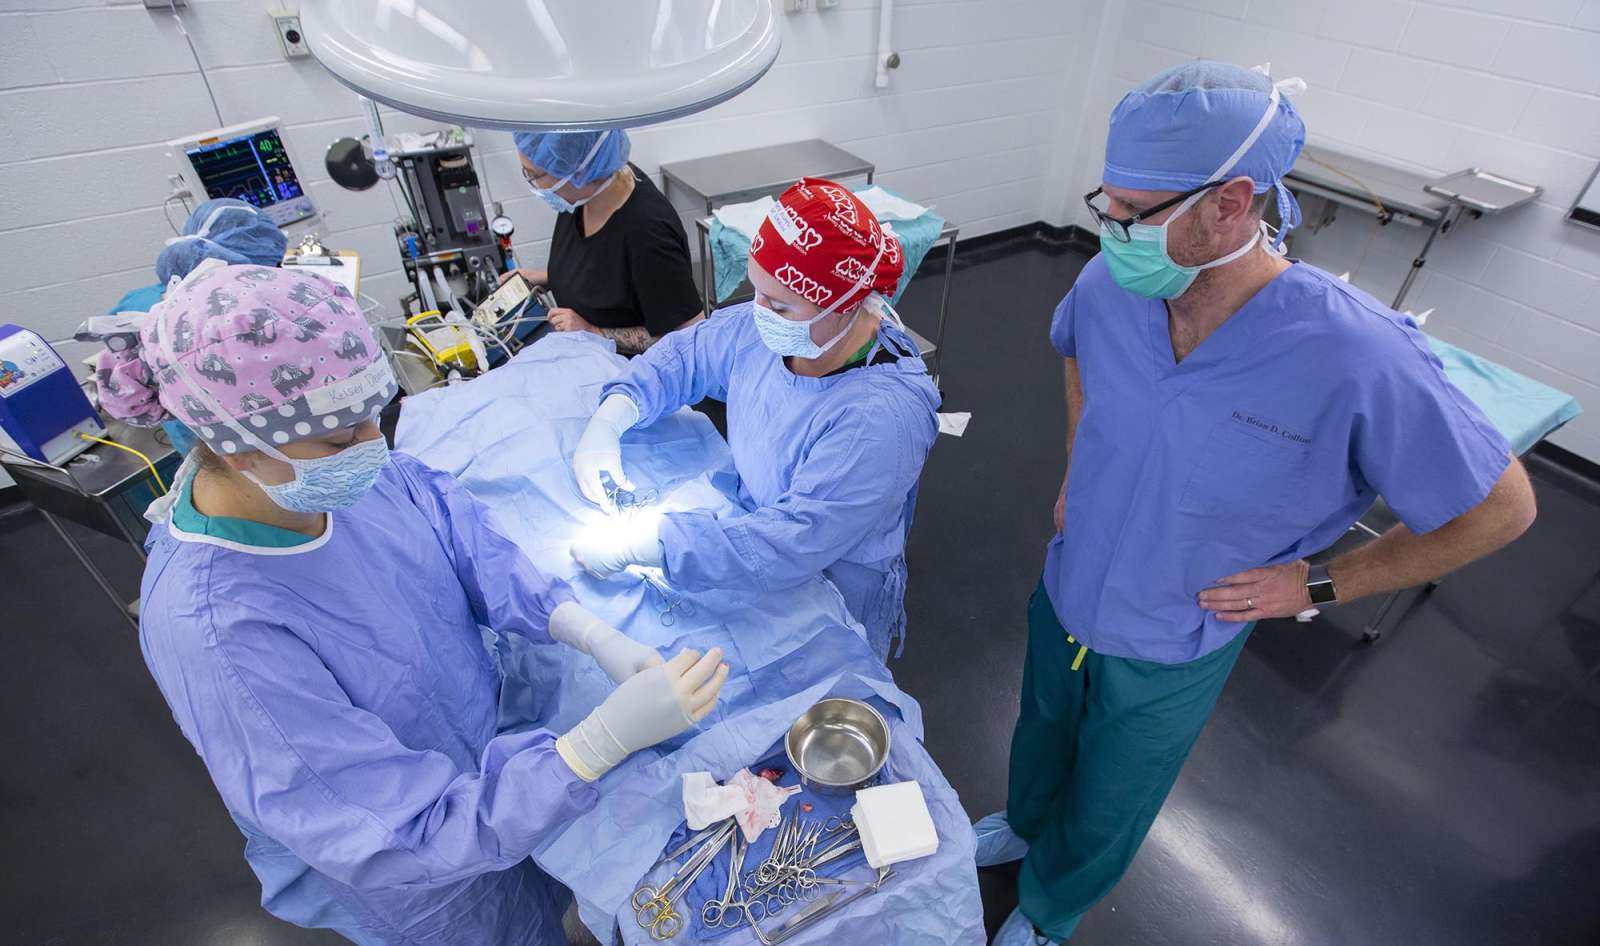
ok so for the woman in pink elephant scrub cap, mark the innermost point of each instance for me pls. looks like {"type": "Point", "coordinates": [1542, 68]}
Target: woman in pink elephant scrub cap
{"type": "Point", "coordinates": [311, 612]}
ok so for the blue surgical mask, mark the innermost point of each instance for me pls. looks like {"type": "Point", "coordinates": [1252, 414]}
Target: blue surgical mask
{"type": "Point", "coordinates": [787, 338]}
{"type": "Point", "coordinates": [560, 204]}
{"type": "Point", "coordinates": [332, 482]}
{"type": "Point", "coordinates": [556, 202]}
{"type": "Point", "coordinates": [790, 339]}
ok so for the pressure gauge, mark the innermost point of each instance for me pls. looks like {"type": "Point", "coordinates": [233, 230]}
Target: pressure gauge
{"type": "Point", "coordinates": [502, 226]}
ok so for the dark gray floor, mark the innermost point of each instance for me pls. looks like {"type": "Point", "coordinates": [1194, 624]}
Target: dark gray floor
{"type": "Point", "coordinates": [1440, 787]}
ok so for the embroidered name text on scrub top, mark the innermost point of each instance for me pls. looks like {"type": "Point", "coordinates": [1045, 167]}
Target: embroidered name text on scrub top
{"type": "Point", "coordinates": [1269, 427]}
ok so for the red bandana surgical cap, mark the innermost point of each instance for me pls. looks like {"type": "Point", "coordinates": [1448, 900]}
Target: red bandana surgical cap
{"type": "Point", "coordinates": [820, 241]}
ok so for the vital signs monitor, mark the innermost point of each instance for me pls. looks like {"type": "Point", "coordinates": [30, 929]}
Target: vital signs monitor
{"type": "Point", "coordinates": [249, 162]}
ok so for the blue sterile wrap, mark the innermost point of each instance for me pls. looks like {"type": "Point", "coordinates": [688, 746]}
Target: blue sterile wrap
{"type": "Point", "coordinates": [509, 436]}
{"type": "Point", "coordinates": [714, 882]}
{"type": "Point", "coordinates": [730, 249]}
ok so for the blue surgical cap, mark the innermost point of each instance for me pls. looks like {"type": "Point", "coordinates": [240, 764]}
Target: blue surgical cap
{"type": "Point", "coordinates": [1174, 132]}
{"type": "Point", "coordinates": [562, 153]}
{"type": "Point", "coordinates": [226, 229]}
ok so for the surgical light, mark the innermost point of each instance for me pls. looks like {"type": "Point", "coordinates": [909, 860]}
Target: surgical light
{"type": "Point", "coordinates": [544, 64]}
{"type": "Point", "coordinates": [622, 528]}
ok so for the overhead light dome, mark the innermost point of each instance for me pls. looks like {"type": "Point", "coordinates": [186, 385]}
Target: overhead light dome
{"type": "Point", "coordinates": [544, 65]}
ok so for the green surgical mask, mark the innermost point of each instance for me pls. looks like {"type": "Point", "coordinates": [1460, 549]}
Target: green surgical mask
{"type": "Point", "coordinates": [1142, 265]}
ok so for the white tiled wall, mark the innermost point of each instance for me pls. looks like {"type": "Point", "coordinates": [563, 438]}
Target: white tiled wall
{"type": "Point", "coordinates": [1508, 85]}
{"type": "Point", "coordinates": [997, 117]}
{"type": "Point", "coordinates": [89, 89]}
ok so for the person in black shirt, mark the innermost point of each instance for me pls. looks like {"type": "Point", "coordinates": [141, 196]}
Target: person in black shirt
{"type": "Point", "coordinates": [619, 259]}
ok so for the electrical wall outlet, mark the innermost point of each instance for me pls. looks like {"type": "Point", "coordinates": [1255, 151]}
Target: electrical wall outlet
{"type": "Point", "coordinates": [794, 6]}
{"type": "Point", "coordinates": [290, 35]}
{"type": "Point", "coordinates": [166, 4]}
{"type": "Point", "coordinates": [827, 4]}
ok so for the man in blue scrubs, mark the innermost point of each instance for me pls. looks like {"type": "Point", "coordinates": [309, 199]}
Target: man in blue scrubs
{"type": "Point", "coordinates": [1230, 412]}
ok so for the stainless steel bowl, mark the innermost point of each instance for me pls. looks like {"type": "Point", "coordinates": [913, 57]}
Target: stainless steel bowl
{"type": "Point", "coordinates": [838, 745]}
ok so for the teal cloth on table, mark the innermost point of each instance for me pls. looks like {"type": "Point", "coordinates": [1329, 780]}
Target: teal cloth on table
{"type": "Point", "coordinates": [1525, 411]}
{"type": "Point", "coordinates": [730, 249]}
{"type": "Point", "coordinates": [142, 299]}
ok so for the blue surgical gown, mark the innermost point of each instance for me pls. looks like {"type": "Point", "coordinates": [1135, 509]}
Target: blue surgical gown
{"type": "Point", "coordinates": [1262, 446]}
{"type": "Point", "coordinates": [829, 466]}
{"type": "Point", "coordinates": [343, 701]}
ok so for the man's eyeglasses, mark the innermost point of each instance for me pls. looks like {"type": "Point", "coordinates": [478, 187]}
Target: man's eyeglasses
{"type": "Point", "coordinates": [1118, 226]}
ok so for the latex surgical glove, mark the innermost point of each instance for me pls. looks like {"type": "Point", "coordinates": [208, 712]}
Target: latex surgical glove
{"type": "Point", "coordinates": [619, 655]}
{"type": "Point", "coordinates": [605, 552]}
{"type": "Point", "coordinates": [650, 706]}
{"type": "Point", "coordinates": [600, 449]}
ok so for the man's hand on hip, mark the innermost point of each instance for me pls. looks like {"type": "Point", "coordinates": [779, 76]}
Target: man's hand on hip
{"type": "Point", "coordinates": [1276, 591]}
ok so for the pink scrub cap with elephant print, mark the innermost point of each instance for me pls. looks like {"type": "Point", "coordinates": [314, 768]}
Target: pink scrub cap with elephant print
{"type": "Point", "coordinates": [247, 356]}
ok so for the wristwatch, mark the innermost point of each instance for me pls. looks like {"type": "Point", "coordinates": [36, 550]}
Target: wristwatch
{"type": "Point", "coordinates": [1319, 585]}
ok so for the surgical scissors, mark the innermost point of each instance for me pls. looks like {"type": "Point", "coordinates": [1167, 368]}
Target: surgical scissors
{"type": "Point", "coordinates": [655, 906]}
{"type": "Point", "coordinates": [716, 912]}
{"type": "Point", "coordinates": [833, 824]}
{"type": "Point", "coordinates": [686, 846]}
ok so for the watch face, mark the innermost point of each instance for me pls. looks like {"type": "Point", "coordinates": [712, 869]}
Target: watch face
{"type": "Point", "coordinates": [1322, 592]}
{"type": "Point", "coordinates": [502, 226]}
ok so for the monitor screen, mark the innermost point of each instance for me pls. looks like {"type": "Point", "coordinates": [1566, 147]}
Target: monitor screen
{"type": "Point", "coordinates": [254, 168]}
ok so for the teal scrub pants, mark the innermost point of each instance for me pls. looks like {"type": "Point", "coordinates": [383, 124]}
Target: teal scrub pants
{"type": "Point", "coordinates": [1098, 745]}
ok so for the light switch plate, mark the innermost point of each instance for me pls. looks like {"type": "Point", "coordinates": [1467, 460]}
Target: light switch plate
{"type": "Point", "coordinates": [291, 36]}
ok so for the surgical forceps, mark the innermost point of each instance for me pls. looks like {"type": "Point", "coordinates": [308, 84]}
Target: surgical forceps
{"type": "Point", "coordinates": [833, 824]}
{"type": "Point", "coordinates": [789, 875]}
{"type": "Point", "coordinates": [832, 903]}
{"type": "Point", "coordinates": [672, 603]}
{"type": "Point", "coordinates": [627, 500]}
{"type": "Point", "coordinates": [789, 850]}
{"type": "Point", "coordinates": [790, 869]}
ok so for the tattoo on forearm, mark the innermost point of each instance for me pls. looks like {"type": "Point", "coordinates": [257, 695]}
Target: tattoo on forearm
{"type": "Point", "coordinates": [630, 341]}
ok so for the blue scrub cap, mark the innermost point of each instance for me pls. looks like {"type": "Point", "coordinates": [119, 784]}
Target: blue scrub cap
{"type": "Point", "coordinates": [1174, 132]}
{"type": "Point", "coordinates": [226, 229]}
{"type": "Point", "coordinates": [562, 153]}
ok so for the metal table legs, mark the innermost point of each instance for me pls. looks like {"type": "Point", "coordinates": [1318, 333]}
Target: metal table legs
{"type": "Point", "coordinates": [1444, 223]}
{"type": "Point", "coordinates": [129, 612]}
{"type": "Point", "coordinates": [944, 301]}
